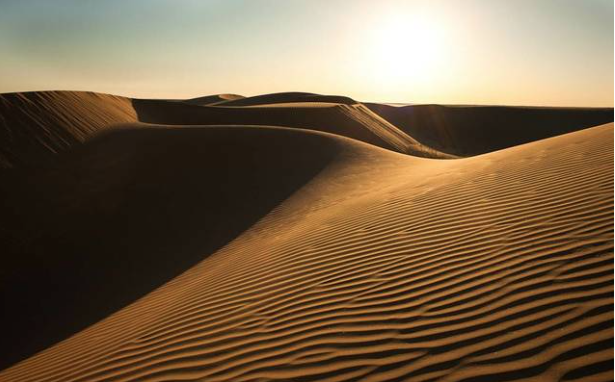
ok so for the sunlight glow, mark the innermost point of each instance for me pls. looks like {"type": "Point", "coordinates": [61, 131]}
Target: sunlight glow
{"type": "Point", "coordinates": [406, 49]}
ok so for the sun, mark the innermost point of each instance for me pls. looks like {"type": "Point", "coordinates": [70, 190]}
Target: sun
{"type": "Point", "coordinates": [406, 49]}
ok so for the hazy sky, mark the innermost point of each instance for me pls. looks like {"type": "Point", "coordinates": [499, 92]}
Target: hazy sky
{"type": "Point", "coordinates": [517, 52]}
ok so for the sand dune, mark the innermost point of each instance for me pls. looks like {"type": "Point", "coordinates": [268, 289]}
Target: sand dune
{"type": "Point", "coordinates": [354, 121]}
{"type": "Point", "coordinates": [126, 199]}
{"type": "Point", "coordinates": [213, 99]}
{"type": "Point", "coordinates": [56, 121]}
{"type": "Point", "coordinates": [190, 251]}
{"type": "Point", "coordinates": [472, 130]}
{"type": "Point", "coordinates": [386, 266]}
{"type": "Point", "coordinates": [38, 124]}
{"type": "Point", "coordinates": [288, 97]}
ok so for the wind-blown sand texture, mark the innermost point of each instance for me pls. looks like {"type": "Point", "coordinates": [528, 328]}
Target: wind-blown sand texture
{"type": "Point", "coordinates": [256, 253]}
{"type": "Point", "coordinates": [37, 124]}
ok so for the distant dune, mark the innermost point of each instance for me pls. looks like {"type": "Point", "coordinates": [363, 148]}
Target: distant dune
{"type": "Point", "coordinates": [473, 130]}
{"type": "Point", "coordinates": [36, 125]}
{"type": "Point", "coordinates": [287, 97]}
{"type": "Point", "coordinates": [213, 99]}
{"type": "Point", "coordinates": [150, 240]}
{"type": "Point", "coordinates": [354, 121]}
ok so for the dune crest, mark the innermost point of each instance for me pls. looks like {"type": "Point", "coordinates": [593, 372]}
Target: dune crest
{"type": "Point", "coordinates": [213, 99]}
{"type": "Point", "coordinates": [35, 126]}
{"type": "Point", "coordinates": [288, 97]}
{"type": "Point", "coordinates": [353, 121]}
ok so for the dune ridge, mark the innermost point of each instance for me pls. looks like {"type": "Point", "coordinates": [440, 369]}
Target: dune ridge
{"type": "Point", "coordinates": [390, 133]}
{"type": "Point", "coordinates": [213, 99]}
{"type": "Point", "coordinates": [41, 124]}
{"type": "Point", "coordinates": [354, 121]}
{"type": "Point", "coordinates": [35, 126]}
{"type": "Point", "coordinates": [287, 97]}
{"type": "Point", "coordinates": [387, 267]}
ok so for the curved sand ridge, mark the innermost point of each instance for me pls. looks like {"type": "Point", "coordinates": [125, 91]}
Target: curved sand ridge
{"type": "Point", "coordinates": [353, 121]}
{"type": "Point", "coordinates": [213, 99]}
{"type": "Point", "coordinates": [388, 267]}
{"type": "Point", "coordinates": [287, 97]}
{"type": "Point", "coordinates": [35, 126]}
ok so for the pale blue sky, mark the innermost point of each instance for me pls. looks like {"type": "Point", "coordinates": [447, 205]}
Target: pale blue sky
{"type": "Point", "coordinates": [523, 52]}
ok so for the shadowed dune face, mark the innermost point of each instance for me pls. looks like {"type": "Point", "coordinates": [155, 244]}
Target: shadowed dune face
{"type": "Point", "coordinates": [388, 267]}
{"type": "Point", "coordinates": [129, 211]}
{"type": "Point", "coordinates": [472, 130]}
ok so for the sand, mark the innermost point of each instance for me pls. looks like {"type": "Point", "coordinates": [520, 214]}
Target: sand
{"type": "Point", "coordinates": [257, 253]}
{"type": "Point", "coordinates": [287, 97]}
{"type": "Point", "coordinates": [473, 130]}
{"type": "Point", "coordinates": [213, 99]}
{"type": "Point", "coordinates": [36, 125]}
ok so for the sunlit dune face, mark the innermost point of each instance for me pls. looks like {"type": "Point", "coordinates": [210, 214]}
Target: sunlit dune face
{"type": "Point", "coordinates": [406, 49]}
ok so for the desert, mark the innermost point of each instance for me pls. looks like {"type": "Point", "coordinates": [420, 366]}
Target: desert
{"type": "Point", "coordinates": [162, 240]}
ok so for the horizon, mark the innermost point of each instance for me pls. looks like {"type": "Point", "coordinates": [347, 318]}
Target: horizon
{"type": "Point", "coordinates": [396, 104]}
{"type": "Point", "coordinates": [512, 53]}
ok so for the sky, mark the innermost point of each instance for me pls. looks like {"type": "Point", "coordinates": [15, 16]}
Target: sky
{"type": "Point", "coordinates": [504, 52]}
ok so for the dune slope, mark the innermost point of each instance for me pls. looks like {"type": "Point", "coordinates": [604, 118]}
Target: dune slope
{"type": "Point", "coordinates": [128, 211]}
{"type": "Point", "coordinates": [388, 267]}
{"type": "Point", "coordinates": [353, 121]}
{"type": "Point", "coordinates": [213, 99]}
{"type": "Point", "coordinates": [287, 97]}
{"type": "Point", "coordinates": [473, 130]}
{"type": "Point", "coordinates": [36, 125]}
